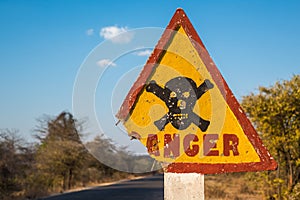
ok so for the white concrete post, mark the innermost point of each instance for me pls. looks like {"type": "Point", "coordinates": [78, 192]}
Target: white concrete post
{"type": "Point", "coordinates": [183, 186]}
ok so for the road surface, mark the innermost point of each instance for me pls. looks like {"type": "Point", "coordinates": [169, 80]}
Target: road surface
{"type": "Point", "coordinates": [149, 188]}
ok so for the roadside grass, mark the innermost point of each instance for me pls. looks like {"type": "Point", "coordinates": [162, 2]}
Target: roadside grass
{"type": "Point", "coordinates": [233, 186]}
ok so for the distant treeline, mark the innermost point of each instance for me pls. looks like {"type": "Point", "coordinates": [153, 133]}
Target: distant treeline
{"type": "Point", "coordinates": [59, 161]}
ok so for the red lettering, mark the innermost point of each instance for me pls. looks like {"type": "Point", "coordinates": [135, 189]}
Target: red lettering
{"type": "Point", "coordinates": [187, 142]}
{"type": "Point", "coordinates": [171, 145]}
{"type": "Point", "coordinates": [152, 145]}
{"type": "Point", "coordinates": [230, 143]}
{"type": "Point", "coordinates": [209, 144]}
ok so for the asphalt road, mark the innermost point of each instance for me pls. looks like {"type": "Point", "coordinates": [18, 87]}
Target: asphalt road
{"type": "Point", "coordinates": [149, 188]}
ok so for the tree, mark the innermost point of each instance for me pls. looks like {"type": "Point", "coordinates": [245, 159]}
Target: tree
{"type": "Point", "coordinates": [15, 163]}
{"type": "Point", "coordinates": [275, 112]}
{"type": "Point", "coordinates": [61, 154]}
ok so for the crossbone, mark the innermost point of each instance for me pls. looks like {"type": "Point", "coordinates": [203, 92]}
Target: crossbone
{"type": "Point", "coordinates": [180, 95]}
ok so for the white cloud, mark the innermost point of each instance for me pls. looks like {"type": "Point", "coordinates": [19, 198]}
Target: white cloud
{"type": "Point", "coordinates": [116, 34]}
{"type": "Point", "coordinates": [106, 62]}
{"type": "Point", "coordinates": [144, 53]}
{"type": "Point", "coordinates": [89, 32]}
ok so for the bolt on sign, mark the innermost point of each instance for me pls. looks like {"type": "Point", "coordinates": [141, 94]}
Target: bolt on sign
{"type": "Point", "coordinates": [182, 110]}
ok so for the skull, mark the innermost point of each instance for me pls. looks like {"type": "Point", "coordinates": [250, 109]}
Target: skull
{"type": "Point", "coordinates": [180, 95]}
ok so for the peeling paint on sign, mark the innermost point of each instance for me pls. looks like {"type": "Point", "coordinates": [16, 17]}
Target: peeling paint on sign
{"type": "Point", "coordinates": [182, 110]}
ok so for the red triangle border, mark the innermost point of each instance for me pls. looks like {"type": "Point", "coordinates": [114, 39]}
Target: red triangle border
{"type": "Point", "coordinates": [180, 19]}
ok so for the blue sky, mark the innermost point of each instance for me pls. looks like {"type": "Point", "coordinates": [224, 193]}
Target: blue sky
{"type": "Point", "coordinates": [44, 43]}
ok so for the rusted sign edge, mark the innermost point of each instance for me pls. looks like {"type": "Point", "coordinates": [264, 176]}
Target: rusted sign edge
{"type": "Point", "coordinates": [267, 162]}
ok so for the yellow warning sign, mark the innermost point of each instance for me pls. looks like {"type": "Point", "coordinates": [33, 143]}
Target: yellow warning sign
{"type": "Point", "coordinates": [182, 110]}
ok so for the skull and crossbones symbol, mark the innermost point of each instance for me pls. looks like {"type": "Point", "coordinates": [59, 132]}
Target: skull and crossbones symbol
{"type": "Point", "coordinates": [180, 95]}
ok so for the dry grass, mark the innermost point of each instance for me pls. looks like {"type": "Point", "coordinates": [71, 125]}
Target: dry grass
{"type": "Point", "coordinates": [229, 186]}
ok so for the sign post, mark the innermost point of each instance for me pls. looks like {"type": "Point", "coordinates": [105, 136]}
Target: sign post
{"type": "Point", "coordinates": [178, 186]}
{"type": "Point", "coordinates": [184, 113]}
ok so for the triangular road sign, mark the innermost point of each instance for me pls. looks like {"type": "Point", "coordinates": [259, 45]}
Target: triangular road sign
{"type": "Point", "coordinates": [183, 111]}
